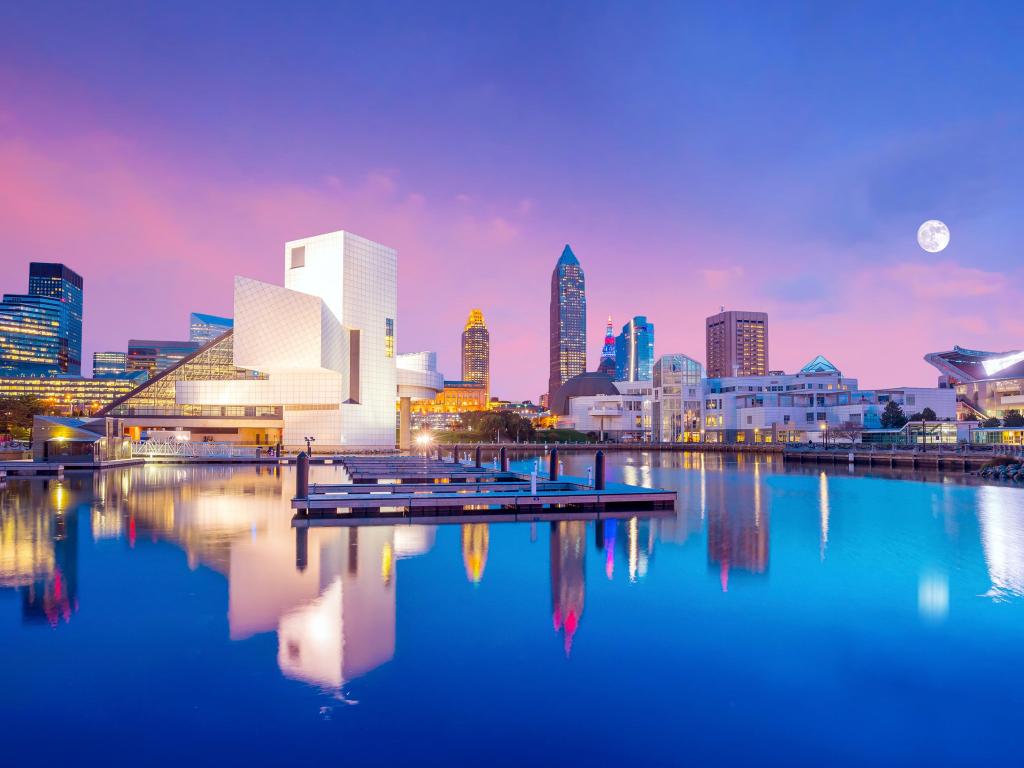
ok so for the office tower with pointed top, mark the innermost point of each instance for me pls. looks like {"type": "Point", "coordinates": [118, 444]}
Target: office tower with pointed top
{"type": "Point", "coordinates": [568, 321]}
{"type": "Point", "coordinates": [476, 352]}
{"type": "Point", "coordinates": [607, 364]}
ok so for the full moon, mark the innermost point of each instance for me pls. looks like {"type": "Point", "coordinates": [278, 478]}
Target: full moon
{"type": "Point", "coordinates": [933, 236]}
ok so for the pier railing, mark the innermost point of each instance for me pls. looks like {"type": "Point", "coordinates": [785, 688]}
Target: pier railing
{"type": "Point", "coordinates": [186, 449]}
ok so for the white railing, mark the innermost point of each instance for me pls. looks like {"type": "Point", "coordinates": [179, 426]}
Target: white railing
{"type": "Point", "coordinates": [187, 449]}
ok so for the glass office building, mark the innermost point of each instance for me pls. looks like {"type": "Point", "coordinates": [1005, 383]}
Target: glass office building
{"type": "Point", "coordinates": [203, 328]}
{"type": "Point", "coordinates": [56, 281]}
{"type": "Point", "coordinates": [634, 350]}
{"type": "Point", "coordinates": [108, 364]}
{"type": "Point", "coordinates": [30, 341]}
{"type": "Point", "coordinates": [678, 399]}
{"type": "Point", "coordinates": [568, 321]}
{"type": "Point", "coordinates": [155, 356]}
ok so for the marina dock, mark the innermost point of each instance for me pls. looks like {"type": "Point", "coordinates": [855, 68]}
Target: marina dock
{"type": "Point", "coordinates": [390, 489]}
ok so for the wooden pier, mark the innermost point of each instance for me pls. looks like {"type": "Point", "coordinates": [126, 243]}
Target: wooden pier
{"type": "Point", "coordinates": [390, 489]}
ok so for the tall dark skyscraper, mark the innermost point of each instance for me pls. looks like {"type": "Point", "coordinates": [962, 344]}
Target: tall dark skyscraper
{"type": "Point", "coordinates": [568, 321]}
{"type": "Point", "coordinates": [56, 281]}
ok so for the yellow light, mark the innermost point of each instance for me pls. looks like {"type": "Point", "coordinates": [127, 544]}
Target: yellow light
{"type": "Point", "coordinates": [424, 438]}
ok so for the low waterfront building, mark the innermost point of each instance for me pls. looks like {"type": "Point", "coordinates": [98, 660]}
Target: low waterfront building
{"type": "Point", "coordinates": [615, 410]}
{"type": "Point", "coordinates": [69, 394]}
{"type": "Point", "coordinates": [77, 441]}
{"type": "Point", "coordinates": [806, 405]}
{"type": "Point", "coordinates": [444, 411]}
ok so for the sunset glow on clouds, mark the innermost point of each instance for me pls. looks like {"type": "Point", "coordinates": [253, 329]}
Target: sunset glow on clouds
{"type": "Point", "coordinates": [682, 181]}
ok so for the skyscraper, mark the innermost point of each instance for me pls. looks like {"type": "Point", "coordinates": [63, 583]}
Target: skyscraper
{"type": "Point", "coordinates": [737, 344]}
{"type": "Point", "coordinates": [607, 364]}
{"type": "Point", "coordinates": [476, 351]}
{"type": "Point", "coordinates": [568, 321]}
{"type": "Point", "coordinates": [56, 281]}
{"type": "Point", "coordinates": [203, 328]}
{"type": "Point", "coordinates": [30, 343]}
{"type": "Point", "coordinates": [634, 350]}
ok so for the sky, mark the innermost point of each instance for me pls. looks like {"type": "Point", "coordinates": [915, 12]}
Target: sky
{"type": "Point", "coordinates": [757, 156]}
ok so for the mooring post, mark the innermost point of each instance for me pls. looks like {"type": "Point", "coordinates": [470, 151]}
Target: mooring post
{"type": "Point", "coordinates": [455, 453]}
{"type": "Point", "coordinates": [479, 465]}
{"type": "Point", "coordinates": [302, 476]}
{"type": "Point", "coordinates": [599, 471]}
{"type": "Point", "coordinates": [553, 465]}
{"type": "Point", "coordinates": [503, 454]}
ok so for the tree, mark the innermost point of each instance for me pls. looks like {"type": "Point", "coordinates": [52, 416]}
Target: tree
{"type": "Point", "coordinates": [893, 416]}
{"type": "Point", "coordinates": [847, 431]}
{"type": "Point", "coordinates": [929, 415]}
{"type": "Point", "coordinates": [991, 423]}
{"type": "Point", "coordinates": [16, 415]}
{"type": "Point", "coordinates": [1013, 419]}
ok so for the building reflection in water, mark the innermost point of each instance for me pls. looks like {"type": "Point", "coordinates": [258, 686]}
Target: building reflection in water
{"type": "Point", "coordinates": [1001, 517]}
{"type": "Point", "coordinates": [738, 530]}
{"type": "Point", "coordinates": [333, 612]}
{"type": "Point", "coordinates": [475, 542]}
{"type": "Point", "coordinates": [568, 577]}
{"type": "Point", "coordinates": [39, 549]}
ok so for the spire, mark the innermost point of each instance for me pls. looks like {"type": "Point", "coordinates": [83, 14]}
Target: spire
{"type": "Point", "coordinates": [568, 257]}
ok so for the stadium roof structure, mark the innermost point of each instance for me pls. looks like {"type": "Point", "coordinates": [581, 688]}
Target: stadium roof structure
{"type": "Point", "coordinates": [965, 365]}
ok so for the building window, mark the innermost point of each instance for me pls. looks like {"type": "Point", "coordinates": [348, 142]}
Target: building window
{"type": "Point", "coordinates": [785, 419]}
{"type": "Point", "coordinates": [911, 399]}
{"type": "Point", "coordinates": [389, 337]}
{"type": "Point", "coordinates": [810, 416]}
{"type": "Point", "coordinates": [298, 257]}
{"type": "Point", "coordinates": [821, 416]}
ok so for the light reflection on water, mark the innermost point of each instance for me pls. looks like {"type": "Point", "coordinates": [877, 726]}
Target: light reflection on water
{"type": "Point", "coordinates": [888, 561]}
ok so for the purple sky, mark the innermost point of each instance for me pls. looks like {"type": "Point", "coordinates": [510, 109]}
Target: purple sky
{"type": "Point", "coordinates": [762, 156]}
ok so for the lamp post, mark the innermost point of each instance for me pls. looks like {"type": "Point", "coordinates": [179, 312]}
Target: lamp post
{"type": "Point", "coordinates": [824, 434]}
{"type": "Point", "coordinates": [309, 445]}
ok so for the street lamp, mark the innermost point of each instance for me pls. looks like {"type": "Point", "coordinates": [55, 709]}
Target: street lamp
{"type": "Point", "coordinates": [824, 433]}
{"type": "Point", "coordinates": [309, 445]}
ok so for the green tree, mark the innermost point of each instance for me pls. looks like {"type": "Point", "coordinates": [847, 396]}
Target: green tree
{"type": "Point", "coordinates": [991, 422]}
{"type": "Point", "coordinates": [1013, 419]}
{"type": "Point", "coordinates": [893, 416]}
{"type": "Point", "coordinates": [16, 415]}
{"type": "Point", "coordinates": [929, 415]}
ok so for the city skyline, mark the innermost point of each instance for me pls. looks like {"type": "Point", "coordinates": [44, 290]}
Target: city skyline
{"type": "Point", "coordinates": [158, 192]}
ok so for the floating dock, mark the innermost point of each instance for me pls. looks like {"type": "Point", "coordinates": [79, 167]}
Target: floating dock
{"type": "Point", "coordinates": [390, 489]}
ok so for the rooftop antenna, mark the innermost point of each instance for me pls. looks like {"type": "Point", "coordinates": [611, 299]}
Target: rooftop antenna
{"type": "Point", "coordinates": [721, 308]}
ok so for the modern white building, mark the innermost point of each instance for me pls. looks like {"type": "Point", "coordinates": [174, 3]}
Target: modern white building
{"type": "Point", "coordinates": [315, 358]}
{"type": "Point", "coordinates": [679, 405]}
{"type": "Point", "coordinates": [804, 406]}
{"type": "Point", "coordinates": [624, 415]}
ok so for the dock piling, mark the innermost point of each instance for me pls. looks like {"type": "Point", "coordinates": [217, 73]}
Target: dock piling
{"type": "Point", "coordinates": [599, 471]}
{"type": "Point", "coordinates": [503, 455]}
{"type": "Point", "coordinates": [302, 476]}
{"type": "Point", "coordinates": [553, 465]}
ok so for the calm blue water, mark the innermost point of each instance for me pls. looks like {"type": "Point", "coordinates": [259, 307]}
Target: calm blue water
{"type": "Point", "coordinates": [157, 616]}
